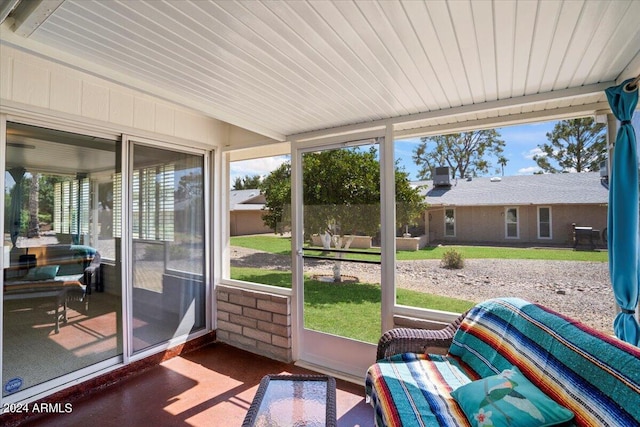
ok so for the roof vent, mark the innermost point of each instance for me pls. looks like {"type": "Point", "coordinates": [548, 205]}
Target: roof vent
{"type": "Point", "coordinates": [496, 179]}
{"type": "Point", "coordinates": [604, 173]}
{"type": "Point", "coordinates": [441, 177]}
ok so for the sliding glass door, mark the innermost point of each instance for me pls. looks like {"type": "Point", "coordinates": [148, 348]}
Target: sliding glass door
{"type": "Point", "coordinates": [168, 244]}
{"type": "Point", "coordinates": [104, 253]}
{"type": "Point", "coordinates": [62, 294]}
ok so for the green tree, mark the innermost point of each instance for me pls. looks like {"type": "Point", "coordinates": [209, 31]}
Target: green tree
{"type": "Point", "coordinates": [33, 228]}
{"type": "Point", "coordinates": [46, 203]}
{"type": "Point", "coordinates": [247, 182]}
{"type": "Point", "coordinates": [465, 153]}
{"type": "Point", "coordinates": [576, 145]}
{"type": "Point", "coordinates": [341, 196]}
{"type": "Point", "coordinates": [189, 186]}
{"type": "Point", "coordinates": [277, 190]}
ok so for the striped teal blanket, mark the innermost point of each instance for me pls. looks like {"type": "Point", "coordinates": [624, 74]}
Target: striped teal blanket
{"type": "Point", "coordinates": [597, 377]}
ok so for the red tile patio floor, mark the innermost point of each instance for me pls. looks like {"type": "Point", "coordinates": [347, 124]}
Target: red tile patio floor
{"type": "Point", "coordinates": [211, 386]}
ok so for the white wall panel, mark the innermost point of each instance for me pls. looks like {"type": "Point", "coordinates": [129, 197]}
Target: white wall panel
{"type": "Point", "coordinates": [121, 108]}
{"type": "Point", "coordinates": [95, 101]}
{"type": "Point", "coordinates": [192, 126]}
{"type": "Point", "coordinates": [66, 93]}
{"type": "Point", "coordinates": [164, 120]}
{"type": "Point", "coordinates": [6, 71]}
{"type": "Point", "coordinates": [144, 114]}
{"type": "Point", "coordinates": [30, 83]}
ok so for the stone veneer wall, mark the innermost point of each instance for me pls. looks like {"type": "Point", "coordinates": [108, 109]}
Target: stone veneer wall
{"type": "Point", "coordinates": [255, 321]}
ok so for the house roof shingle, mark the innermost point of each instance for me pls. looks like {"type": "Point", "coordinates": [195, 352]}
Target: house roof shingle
{"type": "Point", "coordinates": [246, 200]}
{"type": "Point", "coordinates": [567, 188]}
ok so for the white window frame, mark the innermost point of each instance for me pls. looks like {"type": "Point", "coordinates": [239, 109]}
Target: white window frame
{"type": "Point", "coordinates": [506, 222]}
{"type": "Point", "coordinates": [550, 236]}
{"type": "Point", "coordinates": [445, 222]}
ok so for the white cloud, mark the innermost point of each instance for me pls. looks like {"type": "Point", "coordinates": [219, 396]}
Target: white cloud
{"type": "Point", "coordinates": [529, 171]}
{"type": "Point", "coordinates": [533, 152]}
{"type": "Point", "coordinates": [262, 166]}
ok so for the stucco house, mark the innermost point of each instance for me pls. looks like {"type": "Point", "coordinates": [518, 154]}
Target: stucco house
{"type": "Point", "coordinates": [526, 209]}
{"type": "Point", "coordinates": [245, 213]}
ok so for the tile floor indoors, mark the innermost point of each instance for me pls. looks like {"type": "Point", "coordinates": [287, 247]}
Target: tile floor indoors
{"type": "Point", "coordinates": [211, 386]}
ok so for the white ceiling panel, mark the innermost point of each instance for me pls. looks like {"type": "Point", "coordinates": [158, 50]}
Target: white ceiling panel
{"type": "Point", "coordinates": [293, 67]}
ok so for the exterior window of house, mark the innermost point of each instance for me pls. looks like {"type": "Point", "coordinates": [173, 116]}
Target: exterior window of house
{"type": "Point", "coordinates": [511, 223]}
{"type": "Point", "coordinates": [544, 222]}
{"type": "Point", "coordinates": [450, 222]}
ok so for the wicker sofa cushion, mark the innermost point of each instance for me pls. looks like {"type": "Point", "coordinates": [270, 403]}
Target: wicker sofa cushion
{"type": "Point", "coordinates": [595, 376]}
{"type": "Point", "coordinates": [413, 389]}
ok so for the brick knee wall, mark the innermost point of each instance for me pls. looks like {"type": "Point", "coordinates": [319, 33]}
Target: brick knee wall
{"type": "Point", "coordinates": [255, 321]}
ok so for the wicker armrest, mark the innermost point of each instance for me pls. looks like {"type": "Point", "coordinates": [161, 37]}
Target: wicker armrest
{"type": "Point", "coordinates": [411, 340]}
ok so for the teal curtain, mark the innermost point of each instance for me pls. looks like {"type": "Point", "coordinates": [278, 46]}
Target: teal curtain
{"type": "Point", "coordinates": [623, 214]}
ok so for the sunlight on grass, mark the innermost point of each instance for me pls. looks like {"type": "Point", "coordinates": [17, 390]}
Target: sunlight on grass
{"type": "Point", "coordinates": [347, 309]}
{"type": "Point", "coordinates": [268, 243]}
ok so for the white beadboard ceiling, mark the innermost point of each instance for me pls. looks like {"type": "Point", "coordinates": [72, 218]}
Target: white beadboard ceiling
{"type": "Point", "coordinates": [292, 68]}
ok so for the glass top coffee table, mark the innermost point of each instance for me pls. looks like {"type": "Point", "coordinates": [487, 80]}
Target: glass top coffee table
{"type": "Point", "coordinates": [293, 400]}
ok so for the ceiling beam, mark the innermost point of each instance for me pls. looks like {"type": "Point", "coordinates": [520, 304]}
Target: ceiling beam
{"type": "Point", "coordinates": [484, 107]}
{"type": "Point", "coordinates": [268, 150]}
{"type": "Point", "coordinates": [501, 121]}
{"type": "Point", "coordinates": [6, 7]}
{"type": "Point", "coordinates": [29, 15]}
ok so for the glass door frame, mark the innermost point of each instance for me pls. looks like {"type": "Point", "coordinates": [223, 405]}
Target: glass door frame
{"type": "Point", "coordinates": [54, 385]}
{"type": "Point", "coordinates": [128, 143]}
{"type": "Point", "coordinates": [320, 350]}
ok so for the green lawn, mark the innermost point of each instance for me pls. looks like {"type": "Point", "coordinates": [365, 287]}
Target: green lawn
{"type": "Point", "coordinates": [282, 245]}
{"type": "Point", "coordinates": [269, 243]}
{"type": "Point", "coordinates": [353, 309]}
{"type": "Point", "coordinates": [347, 309]}
{"type": "Point", "coordinates": [484, 252]}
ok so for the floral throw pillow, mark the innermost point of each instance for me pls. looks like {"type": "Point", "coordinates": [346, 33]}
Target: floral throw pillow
{"type": "Point", "coordinates": [508, 399]}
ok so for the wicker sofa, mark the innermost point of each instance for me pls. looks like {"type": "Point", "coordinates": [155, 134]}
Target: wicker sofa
{"type": "Point", "coordinates": [594, 376]}
{"type": "Point", "coordinates": [63, 273]}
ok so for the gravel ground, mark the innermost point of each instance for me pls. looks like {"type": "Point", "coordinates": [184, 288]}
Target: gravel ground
{"type": "Point", "coordinates": [577, 289]}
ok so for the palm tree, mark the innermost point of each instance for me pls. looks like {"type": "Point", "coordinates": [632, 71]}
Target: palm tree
{"type": "Point", "coordinates": [502, 161]}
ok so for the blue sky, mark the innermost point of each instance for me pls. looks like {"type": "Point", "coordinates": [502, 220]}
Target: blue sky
{"type": "Point", "coordinates": [521, 143]}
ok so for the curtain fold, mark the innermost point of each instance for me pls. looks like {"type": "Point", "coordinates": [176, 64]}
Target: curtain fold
{"type": "Point", "coordinates": [623, 214]}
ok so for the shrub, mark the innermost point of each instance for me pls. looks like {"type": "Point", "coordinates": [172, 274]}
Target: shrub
{"type": "Point", "coordinates": [452, 259]}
